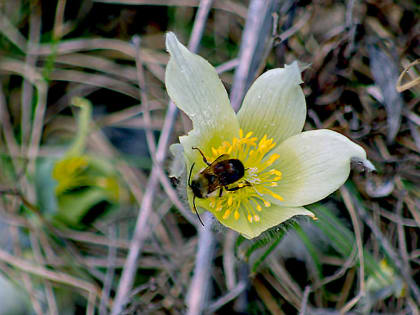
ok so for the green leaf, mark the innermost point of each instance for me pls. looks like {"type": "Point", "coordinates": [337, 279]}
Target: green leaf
{"type": "Point", "coordinates": [274, 244]}
{"type": "Point", "coordinates": [75, 205]}
{"type": "Point", "coordinates": [84, 120]}
{"type": "Point", "coordinates": [313, 251]}
{"type": "Point", "coordinates": [251, 250]}
{"type": "Point", "coordinates": [341, 238]}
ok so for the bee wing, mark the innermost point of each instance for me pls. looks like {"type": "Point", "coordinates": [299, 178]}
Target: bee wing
{"type": "Point", "coordinates": [223, 157]}
{"type": "Point", "coordinates": [213, 178]}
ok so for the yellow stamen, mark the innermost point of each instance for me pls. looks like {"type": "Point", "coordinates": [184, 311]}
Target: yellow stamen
{"type": "Point", "coordinates": [256, 183]}
{"type": "Point", "coordinates": [272, 159]}
{"type": "Point", "coordinates": [230, 200]}
{"type": "Point", "coordinates": [275, 172]}
{"type": "Point", "coordinates": [236, 214]}
{"type": "Point", "coordinates": [278, 197]}
{"type": "Point", "coordinates": [226, 214]}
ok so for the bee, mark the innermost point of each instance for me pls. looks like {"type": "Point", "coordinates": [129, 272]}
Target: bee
{"type": "Point", "coordinates": [216, 176]}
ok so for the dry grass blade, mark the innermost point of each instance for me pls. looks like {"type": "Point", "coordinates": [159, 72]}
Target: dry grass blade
{"type": "Point", "coordinates": [356, 225]}
{"type": "Point", "coordinates": [389, 250]}
{"type": "Point", "coordinates": [226, 5]}
{"type": "Point", "coordinates": [58, 277]}
{"type": "Point", "coordinates": [233, 293]}
{"type": "Point", "coordinates": [385, 73]}
{"type": "Point", "coordinates": [253, 43]}
{"type": "Point", "coordinates": [79, 45]}
{"type": "Point", "coordinates": [33, 76]}
{"type": "Point", "coordinates": [12, 33]}
{"type": "Point", "coordinates": [143, 245]}
{"type": "Point", "coordinates": [102, 81]}
{"type": "Point", "coordinates": [7, 127]}
{"type": "Point", "coordinates": [408, 85]}
{"type": "Point", "coordinates": [200, 283]}
{"type": "Point", "coordinates": [100, 64]}
{"type": "Point", "coordinates": [27, 94]}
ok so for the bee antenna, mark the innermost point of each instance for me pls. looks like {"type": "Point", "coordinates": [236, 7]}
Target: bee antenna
{"type": "Point", "coordinates": [189, 184]}
{"type": "Point", "coordinates": [189, 177]}
{"type": "Point", "coordinates": [195, 208]}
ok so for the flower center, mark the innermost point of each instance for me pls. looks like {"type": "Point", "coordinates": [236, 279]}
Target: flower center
{"type": "Point", "coordinates": [259, 177]}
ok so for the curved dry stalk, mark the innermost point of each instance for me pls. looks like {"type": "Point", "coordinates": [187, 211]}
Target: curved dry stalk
{"type": "Point", "coordinates": [78, 45]}
{"type": "Point", "coordinates": [304, 303]}
{"type": "Point", "coordinates": [30, 60]}
{"type": "Point", "coordinates": [54, 276]}
{"type": "Point", "coordinates": [357, 231]}
{"type": "Point", "coordinates": [5, 120]}
{"type": "Point", "coordinates": [229, 259]}
{"type": "Point", "coordinates": [49, 292]}
{"type": "Point", "coordinates": [231, 295]}
{"type": "Point", "coordinates": [199, 286]}
{"type": "Point", "coordinates": [35, 78]}
{"type": "Point", "coordinates": [402, 87]}
{"type": "Point", "coordinates": [12, 33]}
{"type": "Point", "coordinates": [25, 277]}
{"type": "Point", "coordinates": [142, 229]}
{"type": "Point", "coordinates": [99, 80]}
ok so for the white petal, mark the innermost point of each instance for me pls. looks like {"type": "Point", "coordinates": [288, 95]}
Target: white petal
{"type": "Point", "coordinates": [177, 166]}
{"type": "Point", "coordinates": [269, 217]}
{"type": "Point", "coordinates": [314, 164]}
{"type": "Point", "coordinates": [194, 86]}
{"type": "Point", "coordinates": [275, 104]}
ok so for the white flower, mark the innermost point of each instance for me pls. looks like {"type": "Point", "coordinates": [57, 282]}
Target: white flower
{"type": "Point", "coordinates": [285, 168]}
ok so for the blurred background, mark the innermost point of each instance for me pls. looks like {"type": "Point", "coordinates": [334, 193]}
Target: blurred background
{"type": "Point", "coordinates": [89, 221]}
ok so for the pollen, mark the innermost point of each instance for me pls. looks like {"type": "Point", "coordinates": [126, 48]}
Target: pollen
{"type": "Point", "coordinates": [236, 215]}
{"type": "Point", "coordinates": [227, 214]}
{"type": "Point", "coordinates": [248, 195]}
{"type": "Point", "coordinates": [230, 200]}
{"type": "Point", "coordinates": [250, 218]}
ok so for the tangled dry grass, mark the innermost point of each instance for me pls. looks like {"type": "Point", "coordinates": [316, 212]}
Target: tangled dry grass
{"type": "Point", "coordinates": [143, 251]}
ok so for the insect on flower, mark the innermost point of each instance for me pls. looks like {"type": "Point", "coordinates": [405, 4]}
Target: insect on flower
{"type": "Point", "coordinates": [217, 175]}
{"type": "Point", "coordinates": [255, 169]}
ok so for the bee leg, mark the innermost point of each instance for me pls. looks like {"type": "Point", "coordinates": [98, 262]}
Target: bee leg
{"type": "Point", "coordinates": [233, 188]}
{"type": "Point", "coordinates": [237, 187]}
{"type": "Point", "coordinates": [202, 154]}
{"type": "Point", "coordinates": [220, 192]}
